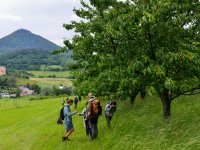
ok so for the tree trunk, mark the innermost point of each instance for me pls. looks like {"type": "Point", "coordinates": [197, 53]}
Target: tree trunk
{"type": "Point", "coordinates": [133, 95]}
{"type": "Point", "coordinates": [166, 102]}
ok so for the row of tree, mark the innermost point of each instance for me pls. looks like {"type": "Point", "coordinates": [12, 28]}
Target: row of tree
{"type": "Point", "coordinates": [50, 91]}
{"type": "Point", "coordinates": [122, 46]}
{"type": "Point", "coordinates": [7, 82]}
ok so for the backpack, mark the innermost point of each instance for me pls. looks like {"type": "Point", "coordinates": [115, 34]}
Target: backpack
{"type": "Point", "coordinates": [96, 108]}
{"type": "Point", "coordinates": [62, 116]}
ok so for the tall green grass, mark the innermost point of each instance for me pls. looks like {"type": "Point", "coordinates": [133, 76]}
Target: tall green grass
{"type": "Point", "coordinates": [26, 124]}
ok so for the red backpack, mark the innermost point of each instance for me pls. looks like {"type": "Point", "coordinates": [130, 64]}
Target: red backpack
{"type": "Point", "coordinates": [96, 107]}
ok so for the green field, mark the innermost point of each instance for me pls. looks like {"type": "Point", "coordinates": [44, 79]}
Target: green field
{"type": "Point", "coordinates": [59, 74]}
{"type": "Point", "coordinates": [22, 81]}
{"type": "Point", "coordinates": [45, 82]}
{"type": "Point", "coordinates": [43, 67]}
{"type": "Point", "coordinates": [50, 82]}
{"type": "Point", "coordinates": [31, 125]}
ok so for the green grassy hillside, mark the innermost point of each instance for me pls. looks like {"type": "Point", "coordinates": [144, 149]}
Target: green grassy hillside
{"type": "Point", "coordinates": [31, 125]}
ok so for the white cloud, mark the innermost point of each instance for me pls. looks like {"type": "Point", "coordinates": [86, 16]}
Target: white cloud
{"type": "Point", "coordinates": [10, 17]}
{"type": "Point", "coordinates": [42, 17]}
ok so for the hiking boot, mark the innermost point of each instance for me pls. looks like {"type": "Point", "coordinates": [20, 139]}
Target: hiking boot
{"type": "Point", "coordinates": [64, 138]}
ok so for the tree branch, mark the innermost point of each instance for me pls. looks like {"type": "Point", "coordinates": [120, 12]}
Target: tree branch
{"type": "Point", "coordinates": [186, 93]}
{"type": "Point", "coordinates": [150, 42]}
{"type": "Point", "coordinates": [113, 45]}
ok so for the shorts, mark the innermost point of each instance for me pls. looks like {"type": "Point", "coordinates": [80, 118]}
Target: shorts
{"type": "Point", "coordinates": [69, 125]}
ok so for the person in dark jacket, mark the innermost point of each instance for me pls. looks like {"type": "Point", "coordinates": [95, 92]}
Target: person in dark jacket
{"type": "Point", "coordinates": [79, 98]}
{"type": "Point", "coordinates": [75, 102]}
{"type": "Point", "coordinates": [110, 109]}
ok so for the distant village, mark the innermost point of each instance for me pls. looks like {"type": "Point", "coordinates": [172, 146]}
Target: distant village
{"type": "Point", "coordinates": [24, 90]}
{"type": "Point", "coordinates": [9, 88]}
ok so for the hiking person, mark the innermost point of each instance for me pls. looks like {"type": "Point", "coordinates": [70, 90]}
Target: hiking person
{"type": "Point", "coordinates": [68, 120]}
{"type": "Point", "coordinates": [110, 109]}
{"type": "Point", "coordinates": [79, 98]}
{"type": "Point", "coordinates": [85, 119]}
{"type": "Point", "coordinates": [94, 111]}
{"type": "Point", "coordinates": [75, 102]}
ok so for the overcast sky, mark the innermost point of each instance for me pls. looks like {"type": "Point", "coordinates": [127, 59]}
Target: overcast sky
{"type": "Point", "coordinates": [41, 17]}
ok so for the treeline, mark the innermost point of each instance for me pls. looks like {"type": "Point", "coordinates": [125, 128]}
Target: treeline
{"type": "Point", "coordinates": [8, 85]}
{"type": "Point", "coordinates": [7, 82]}
{"type": "Point", "coordinates": [56, 91]}
{"type": "Point", "coordinates": [19, 74]}
{"type": "Point", "coordinates": [32, 59]}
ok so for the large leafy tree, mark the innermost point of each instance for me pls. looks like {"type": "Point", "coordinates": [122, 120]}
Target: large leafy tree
{"type": "Point", "coordinates": [93, 49]}
{"type": "Point", "coordinates": [170, 31]}
{"type": "Point", "coordinates": [121, 47]}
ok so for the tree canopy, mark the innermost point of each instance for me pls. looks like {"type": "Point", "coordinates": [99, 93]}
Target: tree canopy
{"type": "Point", "coordinates": [121, 47]}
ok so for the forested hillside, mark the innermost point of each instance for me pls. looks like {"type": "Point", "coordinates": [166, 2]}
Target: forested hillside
{"type": "Point", "coordinates": [32, 59]}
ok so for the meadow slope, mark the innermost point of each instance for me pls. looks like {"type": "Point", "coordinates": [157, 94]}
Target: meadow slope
{"type": "Point", "coordinates": [31, 125]}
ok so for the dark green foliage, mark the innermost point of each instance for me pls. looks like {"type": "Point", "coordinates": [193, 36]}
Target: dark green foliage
{"type": "Point", "coordinates": [66, 90]}
{"type": "Point", "coordinates": [32, 59]}
{"type": "Point", "coordinates": [7, 82]}
{"type": "Point", "coordinates": [127, 45]}
{"type": "Point", "coordinates": [19, 74]}
{"type": "Point", "coordinates": [36, 88]}
{"type": "Point", "coordinates": [17, 92]}
{"type": "Point", "coordinates": [47, 91]}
